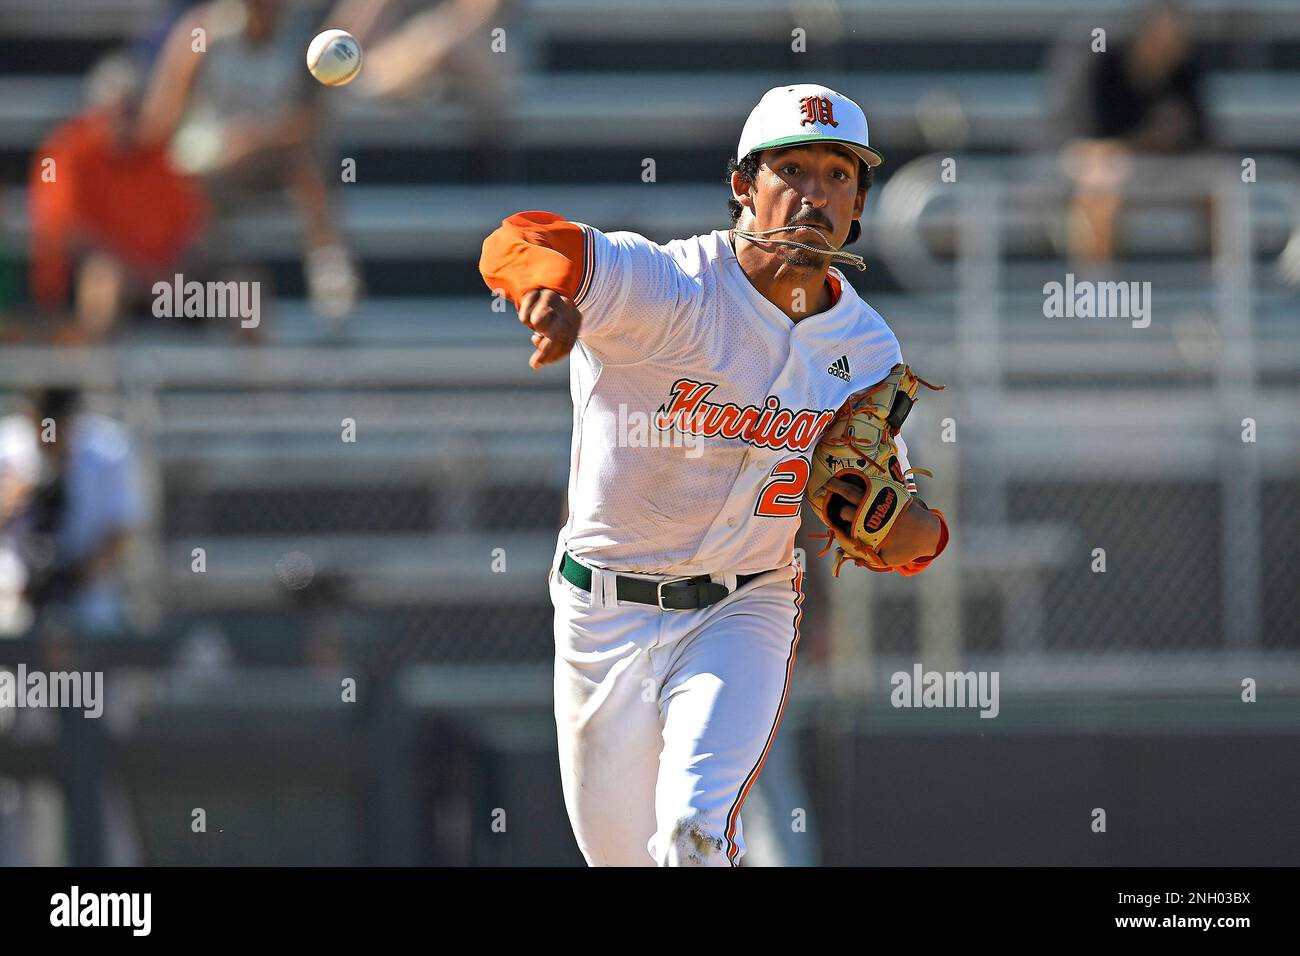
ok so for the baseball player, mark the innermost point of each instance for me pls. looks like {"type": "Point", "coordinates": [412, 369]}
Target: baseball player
{"type": "Point", "coordinates": [677, 599]}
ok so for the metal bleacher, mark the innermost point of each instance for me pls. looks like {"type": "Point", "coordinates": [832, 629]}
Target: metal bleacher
{"type": "Point", "coordinates": [462, 447]}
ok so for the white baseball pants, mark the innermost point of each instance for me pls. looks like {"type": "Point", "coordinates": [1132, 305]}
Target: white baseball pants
{"type": "Point", "coordinates": [664, 718]}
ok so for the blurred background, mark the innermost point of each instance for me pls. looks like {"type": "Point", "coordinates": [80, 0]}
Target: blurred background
{"type": "Point", "coordinates": [307, 542]}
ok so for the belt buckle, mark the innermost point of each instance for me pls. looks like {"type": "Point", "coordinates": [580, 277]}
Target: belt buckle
{"type": "Point", "coordinates": [659, 591]}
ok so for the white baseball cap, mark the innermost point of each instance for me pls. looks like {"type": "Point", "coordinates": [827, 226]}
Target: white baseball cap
{"type": "Point", "coordinates": [806, 113]}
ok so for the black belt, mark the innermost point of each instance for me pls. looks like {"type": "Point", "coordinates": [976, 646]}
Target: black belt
{"type": "Point", "coordinates": [673, 594]}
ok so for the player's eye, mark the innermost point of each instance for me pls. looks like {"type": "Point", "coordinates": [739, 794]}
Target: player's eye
{"type": "Point", "coordinates": [790, 168]}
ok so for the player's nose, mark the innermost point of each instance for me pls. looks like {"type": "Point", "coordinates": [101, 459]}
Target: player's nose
{"type": "Point", "coordinates": [815, 196]}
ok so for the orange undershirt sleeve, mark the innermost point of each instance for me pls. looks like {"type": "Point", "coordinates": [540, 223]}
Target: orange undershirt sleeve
{"type": "Point", "coordinates": [533, 250]}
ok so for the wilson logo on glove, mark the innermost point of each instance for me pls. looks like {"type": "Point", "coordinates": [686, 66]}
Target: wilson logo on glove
{"type": "Point", "coordinates": [881, 511]}
{"type": "Point", "coordinates": [856, 471]}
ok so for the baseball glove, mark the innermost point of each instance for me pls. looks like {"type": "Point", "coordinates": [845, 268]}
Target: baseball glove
{"type": "Point", "coordinates": [855, 464]}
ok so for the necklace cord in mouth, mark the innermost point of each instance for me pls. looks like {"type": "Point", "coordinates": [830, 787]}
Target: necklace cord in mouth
{"type": "Point", "coordinates": [837, 255]}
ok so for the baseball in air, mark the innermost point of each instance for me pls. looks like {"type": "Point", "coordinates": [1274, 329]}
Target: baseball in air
{"type": "Point", "coordinates": [334, 57]}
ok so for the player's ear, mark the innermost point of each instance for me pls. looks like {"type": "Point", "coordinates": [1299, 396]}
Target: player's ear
{"type": "Point", "coordinates": [742, 190]}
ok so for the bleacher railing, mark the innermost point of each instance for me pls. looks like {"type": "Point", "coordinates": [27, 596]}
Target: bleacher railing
{"type": "Point", "coordinates": [1114, 434]}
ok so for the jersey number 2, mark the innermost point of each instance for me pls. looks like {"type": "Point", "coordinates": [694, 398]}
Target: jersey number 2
{"type": "Point", "coordinates": [783, 494]}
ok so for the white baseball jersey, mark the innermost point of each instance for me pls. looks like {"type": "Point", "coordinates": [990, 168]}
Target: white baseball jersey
{"type": "Point", "coordinates": [697, 405]}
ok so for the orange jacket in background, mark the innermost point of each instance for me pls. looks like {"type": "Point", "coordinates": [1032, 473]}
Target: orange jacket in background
{"type": "Point", "coordinates": [126, 201]}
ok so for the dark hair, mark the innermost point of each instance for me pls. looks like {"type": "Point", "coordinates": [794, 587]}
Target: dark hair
{"type": "Point", "coordinates": [748, 169]}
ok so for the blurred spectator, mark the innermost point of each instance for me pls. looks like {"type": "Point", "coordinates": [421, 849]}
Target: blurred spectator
{"type": "Point", "coordinates": [1142, 96]}
{"type": "Point", "coordinates": [431, 42]}
{"type": "Point", "coordinates": [447, 48]}
{"type": "Point", "coordinates": [68, 503]}
{"type": "Point", "coordinates": [242, 113]}
{"type": "Point", "coordinates": [19, 464]}
{"type": "Point", "coordinates": [108, 216]}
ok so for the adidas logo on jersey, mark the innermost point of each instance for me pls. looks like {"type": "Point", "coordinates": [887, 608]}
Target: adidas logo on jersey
{"type": "Point", "coordinates": [840, 367]}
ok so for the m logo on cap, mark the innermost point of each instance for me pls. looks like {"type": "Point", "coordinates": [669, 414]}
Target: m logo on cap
{"type": "Point", "coordinates": [818, 109]}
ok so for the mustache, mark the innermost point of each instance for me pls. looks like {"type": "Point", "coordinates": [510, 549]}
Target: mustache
{"type": "Point", "coordinates": [811, 222]}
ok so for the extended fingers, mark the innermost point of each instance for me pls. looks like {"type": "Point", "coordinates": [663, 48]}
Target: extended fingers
{"type": "Point", "coordinates": [547, 352]}
{"type": "Point", "coordinates": [554, 327]}
{"type": "Point", "coordinates": [554, 322]}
